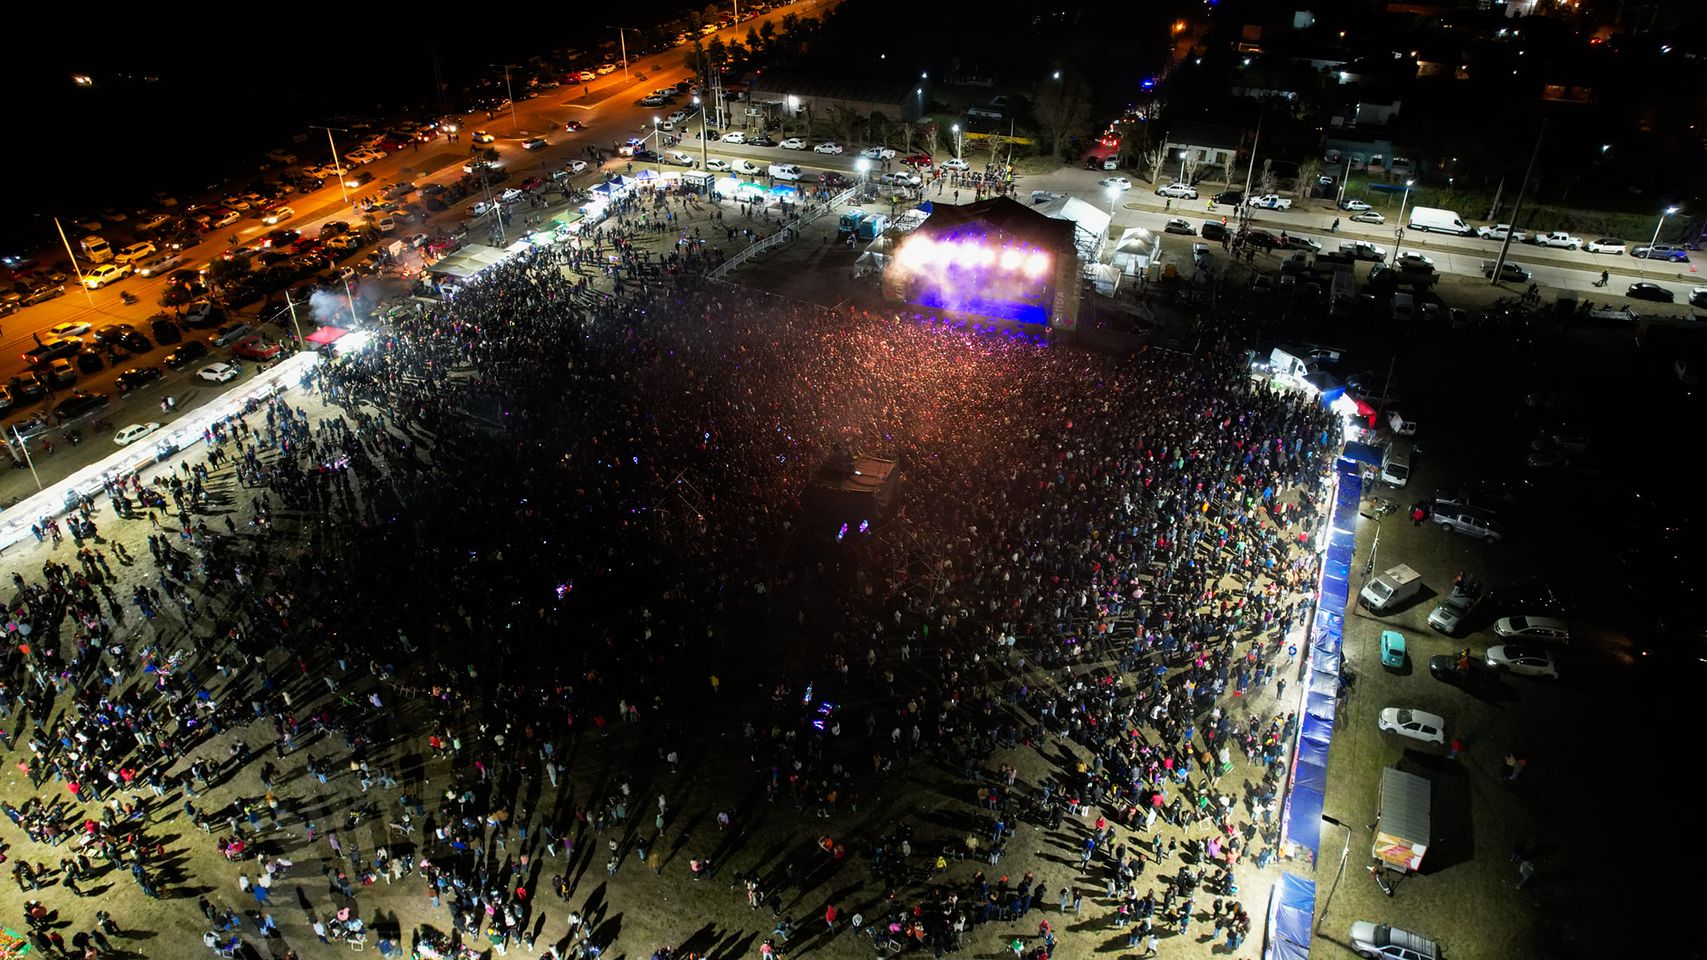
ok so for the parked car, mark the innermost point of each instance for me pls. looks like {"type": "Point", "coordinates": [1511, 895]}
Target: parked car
{"type": "Point", "coordinates": [1643, 290]}
{"type": "Point", "coordinates": [1379, 941]}
{"type": "Point", "coordinates": [1176, 191]}
{"type": "Point", "coordinates": [1368, 216]}
{"type": "Point", "coordinates": [186, 354]}
{"type": "Point", "coordinates": [218, 373]}
{"type": "Point", "coordinates": [1538, 629]}
{"type": "Point", "coordinates": [1179, 225]}
{"type": "Point", "coordinates": [1269, 201]}
{"type": "Point", "coordinates": [1523, 660]}
{"type": "Point", "coordinates": [793, 143]}
{"type": "Point", "coordinates": [1606, 245]}
{"type": "Point", "coordinates": [1662, 251]}
{"type": "Point", "coordinates": [1416, 724]}
{"type": "Point", "coordinates": [1354, 205]}
{"type": "Point", "coordinates": [828, 146]}
{"type": "Point", "coordinates": [135, 377]}
{"type": "Point", "coordinates": [79, 404]}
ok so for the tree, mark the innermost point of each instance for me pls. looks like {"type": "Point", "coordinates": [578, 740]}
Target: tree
{"type": "Point", "coordinates": [716, 52]}
{"type": "Point", "coordinates": [753, 38]}
{"type": "Point", "coordinates": [907, 132]}
{"type": "Point", "coordinates": [222, 273]}
{"type": "Point", "coordinates": [932, 136]}
{"type": "Point", "coordinates": [1266, 180]}
{"type": "Point", "coordinates": [1308, 171]}
{"type": "Point", "coordinates": [767, 31]}
{"type": "Point", "coordinates": [845, 123]}
{"type": "Point", "coordinates": [1153, 158]}
{"type": "Point", "coordinates": [1060, 108]}
{"type": "Point", "coordinates": [881, 127]}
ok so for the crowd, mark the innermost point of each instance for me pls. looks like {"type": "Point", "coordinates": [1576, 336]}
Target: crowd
{"type": "Point", "coordinates": [524, 589]}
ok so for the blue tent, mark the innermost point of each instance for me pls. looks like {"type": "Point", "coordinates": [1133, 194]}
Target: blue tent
{"type": "Point", "coordinates": [1362, 453]}
{"type": "Point", "coordinates": [1291, 907]}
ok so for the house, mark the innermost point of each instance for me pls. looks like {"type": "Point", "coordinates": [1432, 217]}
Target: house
{"type": "Point", "coordinates": [1211, 144]}
{"type": "Point", "coordinates": [799, 93]}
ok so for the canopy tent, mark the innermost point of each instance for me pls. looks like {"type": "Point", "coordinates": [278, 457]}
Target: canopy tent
{"type": "Point", "coordinates": [470, 261]}
{"type": "Point", "coordinates": [1136, 249]}
{"type": "Point", "coordinates": [880, 245]}
{"type": "Point", "coordinates": [1106, 277]}
{"type": "Point", "coordinates": [326, 335]}
{"type": "Point", "coordinates": [1090, 223]}
{"type": "Point", "coordinates": [868, 264]}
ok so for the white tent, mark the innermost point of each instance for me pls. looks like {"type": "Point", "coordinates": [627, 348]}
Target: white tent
{"type": "Point", "coordinates": [1136, 249]}
{"type": "Point", "coordinates": [1090, 223]}
{"type": "Point", "coordinates": [470, 261]}
{"type": "Point", "coordinates": [869, 264]}
{"type": "Point", "coordinates": [1106, 277]}
{"type": "Point", "coordinates": [880, 245]}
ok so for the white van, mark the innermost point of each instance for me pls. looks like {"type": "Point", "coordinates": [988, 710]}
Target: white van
{"type": "Point", "coordinates": [784, 171]}
{"type": "Point", "coordinates": [1396, 465]}
{"type": "Point", "coordinates": [1404, 307]}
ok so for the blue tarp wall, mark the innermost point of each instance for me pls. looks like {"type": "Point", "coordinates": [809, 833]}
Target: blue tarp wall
{"type": "Point", "coordinates": [1291, 909]}
{"type": "Point", "coordinates": [1302, 819]}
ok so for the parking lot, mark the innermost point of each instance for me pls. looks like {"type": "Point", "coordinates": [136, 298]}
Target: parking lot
{"type": "Point", "coordinates": [1567, 533]}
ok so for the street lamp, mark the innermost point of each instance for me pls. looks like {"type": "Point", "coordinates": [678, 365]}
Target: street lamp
{"type": "Point", "coordinates": [1182, 166]}
{"type": "Point", "coordinates": [1668, 212]}
{"type": "Point", "coordinates": [957, 142]}
{"type": "Point", "coordinates": [862, 166]}
{"type": "Point", "coordinates": [1345, 854]}
{"type": "Point", "coordinates": [704, 144]}
{"type": "Point", "coordinates": [1399, 228]}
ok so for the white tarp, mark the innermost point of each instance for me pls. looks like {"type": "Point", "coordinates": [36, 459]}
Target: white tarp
{"type": "Point", "coordinates": [1090, 223]}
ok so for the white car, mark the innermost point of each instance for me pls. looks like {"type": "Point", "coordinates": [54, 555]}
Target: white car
{"type": "Point", "coordinates": [535, 143]}
{"type": "Point", "coordinates": [1559, 238]}
{"type": "Point", "coordinates": [735, 137]}
{"type": "Point", "coordinates": [899, 178]}
{"type": "Point", "coordinates": [1115, 183]}
{"type": "Point", "coordinates": [1176, 191]}
{"type": "Point", "coordinates": [1544, 629]}
{"type": "Point", "coordinates": [510, 196]}
{"type": "Point", "coordinates": [278, 214]}
{"type": "Point", "coordinates": [134, 252]}
{"type": "Point", "coordinates": [955, 163]}
{"type": "Point", "coordinates": [1378, 941]}
{"type": "Point", "coordinates": [72, 329]}
{"type": "Point", "coordinates": [1415, 260]}
{"type": "Point", "coordinates": [1526, 661]}
{"type": "Point", "coordinates": [878, 153]}
{"type": "Point", "coordinates": [828, 146]}
{"type": "Point", "coordinates": [218, 372]}
{"type": "Point", "coordinates": [158, 264]}
{"type": "Point", "coordinates": [1606, 245]}
{"type": "Point", "coordinates": [481, 136]}
{"type": "Point", "coordinates": [748, 168]}
{"type": "Point", "coordinates": [715, 165]}
{"type": "Point", "coordinates": [154, 222]}
{"type": "Point", "coordinates": [1269, 201]}
{"type": "Point", "coordinates": [1416, 724]}
{"type": "Point", "coordinates": [104, 274]}
{"type": "Point", "coordinates": [136, 431]}
{"type": "Point", "coordinates": [676, 117]}
{"type": "Point", "coordinates": [793, 143]}
{"type": "Point", "coordinates": [1354, 205]}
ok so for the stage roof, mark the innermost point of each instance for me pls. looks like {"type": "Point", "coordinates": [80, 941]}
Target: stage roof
{"type": "Point", "coordinates": [1006, 215]}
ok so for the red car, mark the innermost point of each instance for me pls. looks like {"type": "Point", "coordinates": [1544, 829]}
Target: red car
{"type": "Point", "coordinates": [834, 181]}
{"type": "Point", "coordinates": [532, 183]}
{"type": "Point", "coordinates": [918, 160]}
{"type": "Point", "coordinates": [253, 348]}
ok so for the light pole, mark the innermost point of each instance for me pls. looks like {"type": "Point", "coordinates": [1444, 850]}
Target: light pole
{"type": "Point", "coordinates": [291, 306]}
{"type": "Point", "coordinates": [1345, 854]}
{"type": "Point", "coordinates": [1399, 227]}
{"type": "Point", "coordinates": [955, 129]}
{"type": "Point", "coordinates": [862, 166]}
{"type": "Point", "coordinates": [622, 39]}
{"type": "Point", "coordinates": [510, 94]}
{"type": "Point", "coordinates": [704, 144]}
{"type": "Point", "coordinates": [24, 445]}
{"type": "Point", "coordinates": [1668, 212]}
{"type": "Point", "coordinates": [1182, 166]}
{"type": "Point", "coordinates": [657, 150]}
{"type": "Point", "coordinates": [74, 267]}
{"type": "Point", "coordinates": [337, 168]}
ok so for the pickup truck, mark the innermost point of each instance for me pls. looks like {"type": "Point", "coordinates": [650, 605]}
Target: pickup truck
{"type": "Point", "coordinates": [1362, 250]}
{"type": "Point", "coordinates": [1498, 232]}
{"type": "Point", "coordinates": [1559, 238]}
{"type": "Point", "coordinates": [1269, 201]}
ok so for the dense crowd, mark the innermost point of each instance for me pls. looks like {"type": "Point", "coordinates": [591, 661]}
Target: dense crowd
{"type": "Point", "coordinates": [508, 581]}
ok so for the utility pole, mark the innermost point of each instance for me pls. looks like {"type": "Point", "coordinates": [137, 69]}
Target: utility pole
{"type": "Point", "coordinates": [24, 445]}
{"type": "Point", "coordinates": [1493, 210]}
{"type": "Point", "coordinates": [337, 167]}
{"type": "Point", "coordinates": [1517, 206]}
{"type": "Point", "coordinates": [1252, 169]}
{"type": "Point", "coordinates": [74, 267]}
